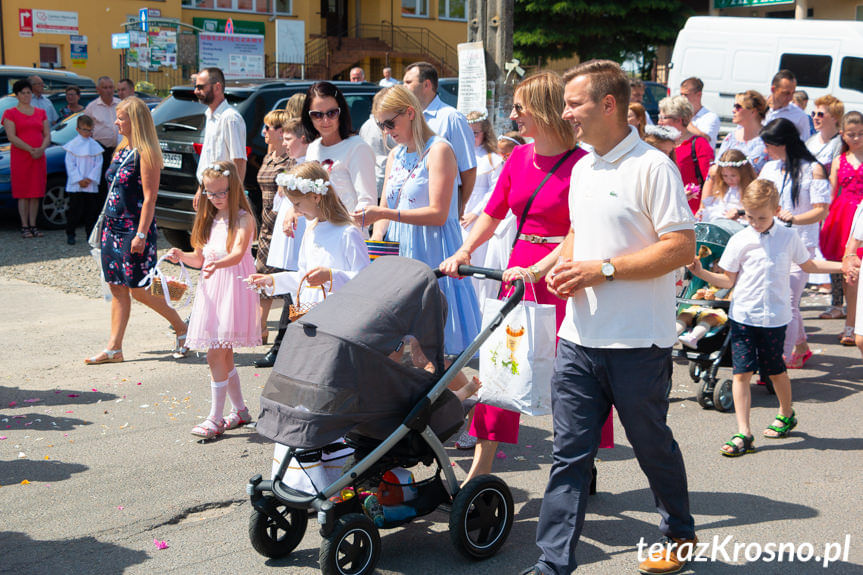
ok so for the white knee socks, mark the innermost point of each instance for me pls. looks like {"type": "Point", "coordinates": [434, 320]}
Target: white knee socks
{"type": "Point", "coordinates": [218, 390]}
{"type": "Point", "coordinates": [235, 392]}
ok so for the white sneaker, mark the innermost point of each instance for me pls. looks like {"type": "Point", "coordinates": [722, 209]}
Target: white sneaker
{"type": "Point", "coordinates": [465, 441]}
{"type": "Point", "coordinates": [688, 340]}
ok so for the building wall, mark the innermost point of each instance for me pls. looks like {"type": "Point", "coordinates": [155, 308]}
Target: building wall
{"type": "Point", "coordinates": [821, 9]}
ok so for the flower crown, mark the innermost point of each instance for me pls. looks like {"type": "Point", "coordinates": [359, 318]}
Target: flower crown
{"type": "Point", "coordinates": [482, 116]}
{"type": "Point", "coordinates": [216, 168]}
{"type": "Point", "coordinates": [302, 185]}
{"type": "Point", "coordinates": [739, 164]}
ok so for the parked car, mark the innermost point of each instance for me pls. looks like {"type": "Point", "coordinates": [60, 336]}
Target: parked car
{"type": "Point", "coordinates": [55, 80]}
{"type": "Point", "coordinates": [653, 93]}
{"type": "Point", "coordinates": [180, 123]}
{"type": "Point", "coordinates": [54, 204]}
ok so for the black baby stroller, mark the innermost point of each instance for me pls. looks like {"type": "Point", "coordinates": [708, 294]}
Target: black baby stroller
{"type": "Point", "coordinates": [714, 349]}
{"type": "Point", "coordinates": [334, 378]}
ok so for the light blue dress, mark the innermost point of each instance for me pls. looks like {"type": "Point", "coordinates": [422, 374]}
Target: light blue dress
{"type": "Point", "coordinates": [407, 188]}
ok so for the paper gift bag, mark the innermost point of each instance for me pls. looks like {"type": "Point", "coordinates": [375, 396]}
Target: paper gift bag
{"type": "Point", "coordinates": [517, 360]}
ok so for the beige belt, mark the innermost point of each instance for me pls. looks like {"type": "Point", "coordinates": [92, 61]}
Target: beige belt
{"type": "Point", "coordinates": [541, 239]}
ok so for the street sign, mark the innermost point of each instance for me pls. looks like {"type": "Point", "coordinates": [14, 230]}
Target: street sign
{"type": "Point", "coordinates": [25, 23]}
{"type": "Point", "coordinates": [144, 18]}
{"type": "Point", "coordinates": [719, 4]}
{"type": "Point", "coordinates": [229, 26]}
{"type": "Point", "coordinates": [121, 41]}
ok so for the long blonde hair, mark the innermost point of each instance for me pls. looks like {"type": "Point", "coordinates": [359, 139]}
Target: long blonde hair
{"type": "Point", "coordinates": [745, 171]}
{"type": "Point", "coordinates": [398, 99]}
{"type": "Point", "coordinates": [331, 207]}
{"type": "Point", "coordinates": [542, 94]}
{"type": "Point", "coordinates": [207, 212]}
{"type": "Point", "coordinates": [143, 136]}
{"type": "Point", "coordinates": [489, 140]}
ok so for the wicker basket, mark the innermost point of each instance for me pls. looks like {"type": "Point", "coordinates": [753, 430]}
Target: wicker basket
{"type": "Point", "coordinates": [299, 309]}
{"type": "Point", "coordinates": [176, 288]}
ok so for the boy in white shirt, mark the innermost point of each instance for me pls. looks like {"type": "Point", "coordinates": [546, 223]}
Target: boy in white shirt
{"type": "Point", "coordinates": [757, 264]}
{"type": "Point", "coordinates": [83, 172]}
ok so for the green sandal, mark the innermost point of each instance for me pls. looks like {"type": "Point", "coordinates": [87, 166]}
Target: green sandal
{"type": "Point", "coordinates": [736, 450]}
{"type": "Point", "coordinates": [782, 432]}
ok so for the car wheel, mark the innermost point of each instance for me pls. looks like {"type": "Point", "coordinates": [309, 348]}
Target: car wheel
{"type": "Point", "coordinates": [178, 238]}
{"type": "Point", "coordinates": [55, 204]}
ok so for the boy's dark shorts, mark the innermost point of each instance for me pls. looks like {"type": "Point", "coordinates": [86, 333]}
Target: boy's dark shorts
{"type": "Point", "coordinates": [757, 349]}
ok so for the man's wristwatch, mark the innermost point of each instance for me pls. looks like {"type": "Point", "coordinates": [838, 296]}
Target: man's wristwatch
{"type": "Point", "coordinates": [141, 236]}
{"type": "Point", "coordinates": [607, 269]}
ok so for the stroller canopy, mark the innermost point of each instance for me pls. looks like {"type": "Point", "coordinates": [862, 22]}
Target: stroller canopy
{"type": "Point", "coordinates": [333, 373]}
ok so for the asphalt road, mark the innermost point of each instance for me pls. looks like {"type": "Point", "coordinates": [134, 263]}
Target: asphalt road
{"type": "Point", "coordinates": [96, 462]}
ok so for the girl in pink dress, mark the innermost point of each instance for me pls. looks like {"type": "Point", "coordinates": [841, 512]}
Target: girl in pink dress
{"type": "Point", "coordinates": [846, 177]}
{"type": "Point", "coordinates": [226, 313]}
{"type": "Point", "coordinates": [536, 110]}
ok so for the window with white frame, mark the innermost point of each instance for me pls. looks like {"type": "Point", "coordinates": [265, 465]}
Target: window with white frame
{"type": "Point", "coordinates": [49, 56]}
{"type": "Point", "coordinates": [415, 8]}
{"type": "Point", "coordinates": [254, 6]}
{"type": "Point", "coordinates": [452, 9]}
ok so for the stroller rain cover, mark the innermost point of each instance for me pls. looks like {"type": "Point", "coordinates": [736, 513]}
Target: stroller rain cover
{"type": "Point", "coordinates": [333, 374]}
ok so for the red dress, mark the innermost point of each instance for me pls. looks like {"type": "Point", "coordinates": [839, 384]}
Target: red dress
{"type": "Point", "coordinates": [548, 216]}
{"type": "Point", "coordinates": [29, 176]}
{"type": "Point", "coordinates": [683, 158]}
{"type": "Point", "coordinates": [837, 225]}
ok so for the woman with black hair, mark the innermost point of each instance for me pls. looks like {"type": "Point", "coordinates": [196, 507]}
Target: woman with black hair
{"type": "Point", "coordinates": [346, 156]}
{"type": "Point", "coordinates": [804, 194]}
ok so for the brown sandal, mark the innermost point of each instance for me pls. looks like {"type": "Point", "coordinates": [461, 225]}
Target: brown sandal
{"type": "Point", "coordinates": [25, 232]}
{"type": "Point", "coordinates": [36, 233]}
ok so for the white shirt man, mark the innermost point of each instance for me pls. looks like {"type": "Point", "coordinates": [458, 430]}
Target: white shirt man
{"type": "Point", "coordinates": [103, 110]}
{"type": "Point", "coordinates": [704, 123]}
{"type": "Point", "coordinates": [782, 90]}
{"type": "Point", "coordinates": [224, 129]}
{"type": "Point", "coordinates": [388, 79]}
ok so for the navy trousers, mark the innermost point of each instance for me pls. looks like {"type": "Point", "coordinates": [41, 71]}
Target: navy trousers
{"type": "Point", "coordinates": [585, 384]}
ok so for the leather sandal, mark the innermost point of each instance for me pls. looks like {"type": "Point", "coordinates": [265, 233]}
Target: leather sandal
{"type": "Point", "coordinates": [237, 418]}
{"type": "Point", "coordinates": [36, 232]}
{"type": "Point", "coordinates": [737, 450]}
{"type": "Point", "coordinates": [209, 431]}
{"type": "Point", "coordinates": [110, 356]}
{"type": "Point", "coordinates": [180, 350]}
{"type": "Point", "coordinates": [833, 312]}
{"type": "Point", "coordinates": [782, 432]}
{"type": "Point", "coordinates": [847, 337]}
{"type": "Point", "coordinates": [25, 232]}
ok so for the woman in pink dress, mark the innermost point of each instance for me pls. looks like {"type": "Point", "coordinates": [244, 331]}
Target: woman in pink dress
{"type": "Point", "coordinates": [537, 106]}
{"type": "Point", "coordinates": [29, 133]}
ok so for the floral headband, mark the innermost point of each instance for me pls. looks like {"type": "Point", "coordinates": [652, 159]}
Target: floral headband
{"type": "Point", "coordinates": [302, 185]}
{"type": "Point", "coordinates": [217, 168]}
{"type": "Point", "coordinates": [739, 164]}
{"type": "Point", "coordinates": [482, 116]}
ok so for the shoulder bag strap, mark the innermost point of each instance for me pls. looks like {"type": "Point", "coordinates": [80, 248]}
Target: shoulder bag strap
{"type": "Point", "coordinates": [698, 175]}
{"type": "Point", "coordinates": [536, 191]}
{"type": "Point", "coordinates": [111, 186]}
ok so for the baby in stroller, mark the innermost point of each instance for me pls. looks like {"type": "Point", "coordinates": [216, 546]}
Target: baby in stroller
{"type": "Point", "coordinates": [696, 321]}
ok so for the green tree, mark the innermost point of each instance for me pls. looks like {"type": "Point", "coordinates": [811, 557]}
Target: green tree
{"type": "Point", "coordinates": [612, 29]}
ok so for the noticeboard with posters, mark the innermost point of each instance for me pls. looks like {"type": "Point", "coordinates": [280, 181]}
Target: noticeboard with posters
{"type": "Point", "coordinates": [238, 55]}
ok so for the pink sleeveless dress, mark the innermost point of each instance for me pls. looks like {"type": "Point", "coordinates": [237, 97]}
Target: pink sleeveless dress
{"type": "Point", "coordinates": [226, 314]}
{"type": "Point", "coordinates": [837, 225]}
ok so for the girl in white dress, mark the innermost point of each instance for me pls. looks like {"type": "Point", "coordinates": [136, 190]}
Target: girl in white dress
{"type": "Point", "coordinates": [332, 251]}
{"type": "Point", "coordinates": [720, 198]}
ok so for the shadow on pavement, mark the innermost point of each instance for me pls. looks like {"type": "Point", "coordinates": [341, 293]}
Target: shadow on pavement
{"type": "Point", "coordinates": [16, 398]}
{"type": "Point", "coordinates": [71, 556]}
{"type": "Point", "coordinates": [40, 422]}
{"type": "Point", "coordinates": [45, 471]}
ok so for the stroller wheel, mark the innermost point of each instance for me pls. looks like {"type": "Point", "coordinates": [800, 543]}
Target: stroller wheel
{"type": "Point", "coordinates": [352, 548]}
{"type": "Point", "coordinates": [694, 372]}
{"type": "Point", "coordinates": [481, 517]}
{"type": "Point", "coordinates": [705, 395]}
{"type": "Point", "coordinates": [723, 398]}
{"type": "Point", "coordinates": [277, 539]}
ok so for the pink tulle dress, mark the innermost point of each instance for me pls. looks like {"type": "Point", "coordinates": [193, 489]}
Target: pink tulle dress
{"type": "Point", "coordinates": [226, 313]}
{"type": "Point", "coordinates": [837, 226]}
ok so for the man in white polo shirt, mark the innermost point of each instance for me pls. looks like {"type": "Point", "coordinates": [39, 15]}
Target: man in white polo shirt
{"type": "Point", "coordinates": [782, 90]}
{"type": "Point", "coordinates": [224, 129]}
{"type": "Point", "coordinates": [631, 228]}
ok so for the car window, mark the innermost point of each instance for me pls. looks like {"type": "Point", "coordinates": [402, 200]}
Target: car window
{"type": "Point", "coordinates": [448, 91]}
{"type": "Point", "coordinates": [65, 131]}
{"type": "Point", "coordinates": [810, 70]}
{"type": "Point", "coordinates": [179, 118]}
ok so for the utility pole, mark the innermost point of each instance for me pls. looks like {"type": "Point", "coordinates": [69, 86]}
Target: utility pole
{"type": "Point", "coordinates": [490, 22]}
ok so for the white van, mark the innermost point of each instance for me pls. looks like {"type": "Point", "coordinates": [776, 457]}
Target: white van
{"type": "Point", "coordinates": [732, 55]}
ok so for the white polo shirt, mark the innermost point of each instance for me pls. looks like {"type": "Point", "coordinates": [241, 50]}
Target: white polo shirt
{"type": "Point", "coordinates": [224, 137]}
{"type": "Point", "coordinates": [762, 262]}
{"type": "Point", "coordinates": [797, 117]}
{"type": "Point", "coordinates": [620, 203]}
{"type": "Point", "coordinates": [708, 122]}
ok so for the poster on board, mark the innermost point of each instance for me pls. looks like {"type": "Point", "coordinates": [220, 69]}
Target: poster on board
{"type": "Point", "coordinates": [290, 41]}
{"type": "Point", "coordinates": [471, 78]}
{"type": "Point", "coordinates": [238, 55]}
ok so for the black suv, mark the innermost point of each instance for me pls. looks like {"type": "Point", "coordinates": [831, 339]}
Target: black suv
{"type": "Point", "coordinates": [180, 122]}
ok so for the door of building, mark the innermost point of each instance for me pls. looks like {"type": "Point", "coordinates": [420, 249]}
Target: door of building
{"type": "Point", "coordinates": [335, 12]}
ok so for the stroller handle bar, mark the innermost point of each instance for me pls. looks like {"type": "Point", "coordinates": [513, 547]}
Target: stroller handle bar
{"type": "Point", "coordinates": [477, 272]}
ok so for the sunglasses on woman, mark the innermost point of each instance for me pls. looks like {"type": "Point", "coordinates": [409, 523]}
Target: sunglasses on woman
{"type": "Point", "coordinates": [391, 123]}
{"type": "Point", "coordinates": [737, 107]}
{"type": "Point", "coordinates": [330, 114]}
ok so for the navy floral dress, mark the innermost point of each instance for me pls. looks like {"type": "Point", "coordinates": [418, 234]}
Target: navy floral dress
{"type": "Point", "coordinates": [122, 214]}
